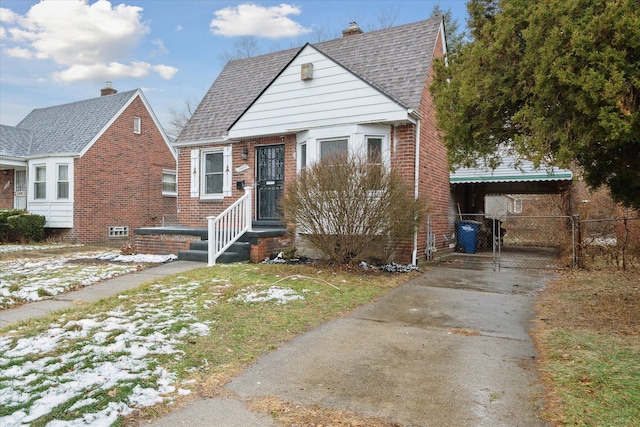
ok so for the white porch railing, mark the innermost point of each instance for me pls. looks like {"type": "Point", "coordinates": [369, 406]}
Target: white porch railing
{"type": "Point", "coordinates": [226, 228]}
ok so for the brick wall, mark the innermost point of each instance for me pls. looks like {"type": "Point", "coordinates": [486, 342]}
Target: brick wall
{"type": "Point", "coordinates": [163, 244]}
{"type": "Point", "coordinates": [193, 211]}
{"type": "Point", "coordinates": [268, 247]}
{"type": "Point", "coordinates": [6, 189]}
{"type": "Point", "coordinates": [118, 182]}
{"type": "Point", "coordinates": [434, 166]}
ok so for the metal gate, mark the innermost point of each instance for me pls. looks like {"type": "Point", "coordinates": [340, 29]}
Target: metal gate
{"type": "Point", "coordinates": [513, 241]}
{"type": "Point", "coordinates": [269, 181]}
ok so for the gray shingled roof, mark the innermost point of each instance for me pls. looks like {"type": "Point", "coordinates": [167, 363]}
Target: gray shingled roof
{"type": "Point", "coordinates": [394, 60]}
{"type": "Point", "coordinates": [15, 142]}
{"type": "Point", "coordinates": [67, 128]}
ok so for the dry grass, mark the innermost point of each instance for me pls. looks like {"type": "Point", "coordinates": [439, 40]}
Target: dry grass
{"type": "Point", "coordinates": [588, 335]}
{"type": "Point", "coordinates": [288, 414]}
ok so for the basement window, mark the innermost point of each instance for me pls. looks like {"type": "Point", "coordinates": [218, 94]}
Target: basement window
{"type": "Point", "coordinates": [119, 231]}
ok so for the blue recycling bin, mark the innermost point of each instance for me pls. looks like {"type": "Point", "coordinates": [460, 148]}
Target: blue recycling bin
{"type": "Point", "coordinates": [467, 232]}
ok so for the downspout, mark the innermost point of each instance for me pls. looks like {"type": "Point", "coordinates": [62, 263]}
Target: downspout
{"type": "Point", "coordinates": [416, 190]}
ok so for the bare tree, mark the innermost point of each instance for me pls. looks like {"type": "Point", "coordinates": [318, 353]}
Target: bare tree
{"type": "Point", "coordinates": [179, 117]}
{"type": "Point", "coordinates": [386, 18]}
{"type": "Point", "coordinates": [244, 47]}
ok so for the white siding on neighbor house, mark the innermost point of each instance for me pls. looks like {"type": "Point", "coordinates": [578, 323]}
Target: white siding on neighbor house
{"type": "Point", "coordinates": [58, 212]}
{"type": "Point", "coordinates": [334, 96]}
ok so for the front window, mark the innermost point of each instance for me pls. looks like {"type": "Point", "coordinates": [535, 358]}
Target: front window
{"type": "Point", "coordinates": [374, 160]}
{"type": "Point", "coordinates": [213, 173]}
{"type": "Point", "coordinates": [169, 183]}
{"type": "Point", "coordinates": [63, 181]}
{"type": "Point", "coordinates": [136, 124]}
{"type": "Point", "coordinates": [40, 182]}
{"type": "Point", "coordinates": [303, 157]}
{"type": "Point", "coordinates": [333, 147]}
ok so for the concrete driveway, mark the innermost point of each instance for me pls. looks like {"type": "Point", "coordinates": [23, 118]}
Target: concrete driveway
{"type": "Point", "coordinates": [449, 348]}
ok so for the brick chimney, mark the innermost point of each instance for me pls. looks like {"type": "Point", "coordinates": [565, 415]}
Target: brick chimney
{"type": "Point", "coordinates": [108, 90]}
{"type": "Point", "coordinates": [352, 30]}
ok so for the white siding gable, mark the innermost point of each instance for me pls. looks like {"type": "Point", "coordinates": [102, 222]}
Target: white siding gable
{"type": "Point", "coordinates": [334, 96]}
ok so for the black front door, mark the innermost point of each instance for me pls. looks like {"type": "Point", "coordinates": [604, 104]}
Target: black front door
{"type": "Point", "coordinates": [269, 181]}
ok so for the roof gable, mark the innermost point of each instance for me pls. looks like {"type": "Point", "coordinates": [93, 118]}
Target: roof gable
{"type": "Point", "coordinates": [71, 128]}
{"type": "Point", "coordinates": [396, 61]}
{"type": "Point", "coordinates": [330, 95]}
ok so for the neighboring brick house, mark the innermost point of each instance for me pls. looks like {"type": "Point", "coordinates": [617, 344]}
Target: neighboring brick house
{"type": "Point", "coordinates": [96, 169]}
{"type": "Point", "coordinates": [265, 118]}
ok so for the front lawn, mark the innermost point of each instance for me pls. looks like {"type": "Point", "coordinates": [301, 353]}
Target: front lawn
{"type": "Point", "coordinates": [128, 356]}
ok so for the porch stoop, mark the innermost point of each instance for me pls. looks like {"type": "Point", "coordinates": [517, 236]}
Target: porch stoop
{"type": "Point", "coordinates": [251, 241]}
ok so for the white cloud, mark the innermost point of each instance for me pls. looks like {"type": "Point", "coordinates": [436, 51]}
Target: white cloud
{"type": "Point", "coordinates": [7, 16]}
{"type": "Point", "coordinates": [86, 39]}
{"type": "Point", "coordinates": [3, 33]}
{"type": "Point", "coordinates": [160, 49]}
{"type": "Point", "coordinates": [254, 20]}
{"type": "Point", "coordinates": [113, 71]}
{"type": "Point", "coordinates": [19, 52]}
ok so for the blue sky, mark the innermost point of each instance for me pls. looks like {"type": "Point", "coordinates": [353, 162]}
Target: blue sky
{"type": "Point", "coordinates": [61, 51]}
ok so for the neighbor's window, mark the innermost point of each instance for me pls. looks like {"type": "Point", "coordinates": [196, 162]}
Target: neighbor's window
{"type": "Point", "coordinates": [213, 173]}
{"type": "Point", "coordinates": [63, 182]}
{"type": "Point", "coordinates": [333, 147]}
{"type": "Point", "coordinates": [40, 182]}
{"type": "Point", "coordinates": [169, 183]}
{"type": "Point", "coordinates": [136, 124]}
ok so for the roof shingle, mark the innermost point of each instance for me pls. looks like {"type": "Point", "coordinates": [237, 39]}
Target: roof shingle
{"type": "Point", "coordinates": [394, 60]}
{"type": "Point", "coordinates": [66, 128]}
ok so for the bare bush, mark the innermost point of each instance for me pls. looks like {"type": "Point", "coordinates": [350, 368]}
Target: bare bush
{"type": "Point", "coordinates": [352, 210]}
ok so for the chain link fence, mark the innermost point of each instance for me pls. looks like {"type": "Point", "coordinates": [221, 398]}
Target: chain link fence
{"type": "Point", "coordinates": [609, 243]}
{"type": "Point", "coordinates": [547, 242]}
{"type": "Point", "coordinates": [513, 241]}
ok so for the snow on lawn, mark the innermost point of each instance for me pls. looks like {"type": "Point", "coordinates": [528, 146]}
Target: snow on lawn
{"type": "Point", "coordinates": [93, 370]}
{"type": "Point", "coordinates": [25, 280]}
{"type": "Point", "coordinates": [20, 248]}
{"type": "Point", "coordinates": [88, 372]}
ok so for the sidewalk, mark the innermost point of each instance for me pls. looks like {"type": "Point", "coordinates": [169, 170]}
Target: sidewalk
{"type": "Point", "coordinates": [94, 292]}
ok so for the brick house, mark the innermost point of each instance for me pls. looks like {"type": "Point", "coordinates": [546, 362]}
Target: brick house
{"type": "Point", "coordinates": [96, 169]}
{"type": "Point", "coordinates": [267, 117]}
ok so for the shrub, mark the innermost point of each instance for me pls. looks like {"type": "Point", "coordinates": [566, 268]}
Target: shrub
{"type": "Point", "coordinates": [27, 227]}
{"type": "Point", "coordinates": [5, 231]}
{"type": "Point", "coordinates": [352, 210]}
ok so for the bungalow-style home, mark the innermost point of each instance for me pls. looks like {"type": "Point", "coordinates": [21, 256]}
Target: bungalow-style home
{"type": "Point", "coordinates": [96, 169]}
{"type": "Point", "coordinates": [266, 118]}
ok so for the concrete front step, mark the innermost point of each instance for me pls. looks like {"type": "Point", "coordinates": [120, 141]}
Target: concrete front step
{"type": "Point", "coordinates": [237, 252]}
{"type": "Point", "coordinates": [198, 251]}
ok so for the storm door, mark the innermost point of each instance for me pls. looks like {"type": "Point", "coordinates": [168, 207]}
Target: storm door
{"type": "Point", "coordinates": [20, 189]}
{"type": "Point", "coordinates": [269, 181]}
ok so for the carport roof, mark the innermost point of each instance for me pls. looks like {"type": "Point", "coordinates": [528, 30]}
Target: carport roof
{"type": "Point", "coordinates": [510, 171]}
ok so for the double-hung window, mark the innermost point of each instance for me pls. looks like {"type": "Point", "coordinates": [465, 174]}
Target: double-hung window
{"type": "Point", "coordinates": [169, 183]}
{"type": "Point", "coordinates": [213, 173]}
{"type": "Point", "coordinates": [374, 160]}
{"type": "Point", "coordinates": [63, 182]}
{"type": "Point", "coordinates": [40, 182]}
{"type": "Point", "coordinates": [303, 156]}
{"type": "Point", "coordinates": [333, 147]}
